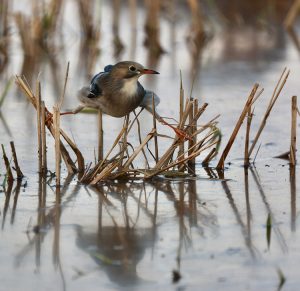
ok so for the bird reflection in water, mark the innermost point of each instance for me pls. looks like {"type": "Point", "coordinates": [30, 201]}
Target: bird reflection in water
{"type": "Point", "coordinates": [127, 225]}
{"type": "Point", "coordinates": [118, 244]}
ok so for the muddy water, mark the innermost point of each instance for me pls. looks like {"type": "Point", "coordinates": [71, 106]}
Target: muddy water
{"type": "Point", "coordinates": [141, 235]}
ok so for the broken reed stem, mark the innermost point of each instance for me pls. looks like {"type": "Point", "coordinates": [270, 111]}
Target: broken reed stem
{"type": "Point", "coordinates": [138, 149]}
{"type": "Point", "coordinates": [293, 131]}
{"type": "Point", "coordinates": [66, 156]}
{"type": "Point", "coordinates": [192, 129]}
{"type": "Point", "coordinates": [195, 150]}
{"type": "Point", "coordinates": [14, 154]}
{"type": "Point", "coordinates": [194, 124]}
{"type": "Point", "coordinates": [247, 138]}
{"type": "Point", "coordinates": [91, 174]}
{"type": "Point", "coordinates": [220, 164]}
{"type": "Point", "coordinates": [9, 174]}
{"type": "Point", "coordinates": [44, 140]}
{"type": "Point", "coordinates": [179, 161]}
{"type": "Point", "coordinates": [100, 135]}
{"type": "Point", "coordinates": [181, 104]}
{"type": "Point", "coordinates": [124, 140]}
{"type": "Point", "coordinates": [155, 130]}
{"type": "Point", "coordinates": [39, 131]}
{"type": "Point", "coordinates": [139, 134]}
{"type": "Point", "coordinates": [56, 124]}
{"type": "Point", "coordinates": [168, 154]}
{"type": "Point", "coordinates": [80, 159]}
{"type": "Point", "coordinates": [278, 88]}
{"type": "Point", "coordinates": [65, 86]}
{"type": "Point", "coordinates": [107, 171]}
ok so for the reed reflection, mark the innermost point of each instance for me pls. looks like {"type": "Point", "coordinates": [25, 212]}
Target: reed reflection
{"type": "Point", "coordinates": [293, 190]}
{"type": "Point", "coordinates": [275, 226]}
{"type": "Point", "coordinates": [245, 228]}
{"type": "Point", "coordinates": [47, 218]}
{"type": "Point", "coordinates": [127, 224]}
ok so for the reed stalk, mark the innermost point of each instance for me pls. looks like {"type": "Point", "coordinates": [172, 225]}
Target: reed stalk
{"type": "Point", "coordinates": [181, 104]}
{"type": "Point", "coordinates": [44, 139]}
{"type": "Point", "coordinates": [140, 137]}
{"type": "Point", "coordinates": [15, 159]}
{"type": "Point", "coordinates": [65, 154]}
{"type": "Point", "coordinates": [247, 139]}
{"type": "Point", "coordinates": [248, 104]}
{"type": "Point", "coordinates": [39, 127]}
{"type": "Point", "coordinates": [293, 131]}
{"type": "Point", "coordinates": [56, 124]}
{"type": "Point", "coordinates": [155, 130]}
{"type": "Point", "coordinates": [100, 135]}
{"type": "Point", "coordinates": [278, 88]}
{"type": "Point", "coordinates": [10, 177]}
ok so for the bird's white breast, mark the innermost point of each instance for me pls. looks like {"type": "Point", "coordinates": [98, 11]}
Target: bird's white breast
{"type": "Point", "coordinates": [130, 87]}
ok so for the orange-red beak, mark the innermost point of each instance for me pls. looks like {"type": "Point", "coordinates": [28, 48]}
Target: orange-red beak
{"type": "Point", "coordinates": [148, 71]}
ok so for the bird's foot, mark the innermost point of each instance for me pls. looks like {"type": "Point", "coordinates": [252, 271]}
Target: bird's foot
{"type": "Point", "coordinates": [49, 116]}
{"type": "Point", "coordinates": [181, 134]}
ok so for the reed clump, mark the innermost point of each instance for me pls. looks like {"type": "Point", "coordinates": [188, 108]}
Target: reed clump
{"type": "Point", "coordinates": [177, 160]}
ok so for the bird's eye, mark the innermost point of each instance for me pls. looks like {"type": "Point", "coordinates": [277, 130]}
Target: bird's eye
{"type": "Point", "coordinates": [132, 68]}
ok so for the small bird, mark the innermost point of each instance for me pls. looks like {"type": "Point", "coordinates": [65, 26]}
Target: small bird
{"type": "Point", "coordinates": [117, 91]}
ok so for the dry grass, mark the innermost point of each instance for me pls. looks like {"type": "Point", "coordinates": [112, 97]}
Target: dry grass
{"type": "Point", "coordinates": [191, 141]}
{"type": "Point", "coordinates": [178, 159]}
{"type": "Point", "coordinates": [247, 111]}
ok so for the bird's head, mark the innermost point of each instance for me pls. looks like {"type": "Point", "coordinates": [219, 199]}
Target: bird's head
{"type": "Point", "coordinates": [128, 69]}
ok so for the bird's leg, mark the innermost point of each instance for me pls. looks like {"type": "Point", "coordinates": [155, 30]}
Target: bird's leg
{"type": "Point", "coordinates": [76, 110]}
{"type": "Point", "coordinates": [49, 115]}
{"type": "Point", "coordinates": [179, 132]}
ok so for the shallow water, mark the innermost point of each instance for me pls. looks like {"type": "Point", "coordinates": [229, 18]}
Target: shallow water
{"type": "Point", "coordinates": [133, 236]}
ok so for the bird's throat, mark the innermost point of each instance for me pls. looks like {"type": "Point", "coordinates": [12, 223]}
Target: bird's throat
{"type": "Point", "coordinates": [130, 87]}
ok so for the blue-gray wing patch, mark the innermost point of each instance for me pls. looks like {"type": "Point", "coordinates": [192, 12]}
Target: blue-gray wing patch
{"type": "Point", "coordinates": [108, 68]}
{"type": "Point", "coordinates": [95, 90]}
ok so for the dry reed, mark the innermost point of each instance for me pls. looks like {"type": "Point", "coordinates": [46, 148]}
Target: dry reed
{"type": "Point", "coordinates": [9, 174]}
{"type": "Point", "coordinates": [277, 90]}
{"type": "Point", "coordinates": [293, 131]}
{"type": "Point", "coordinates": [121, 164]}
{"type": "Point", "coordinates": [56, 124]}
{"type": "Point", "coordinates": [247, 139]}
{"type": "Point", "coordinates": [15, 159]}
{"type": "Point", "coordinates": [248, 104]}
{"type": "Point", "coordinates": [65, 154]}
{"type": "Point", "coordinates": [100, 136]}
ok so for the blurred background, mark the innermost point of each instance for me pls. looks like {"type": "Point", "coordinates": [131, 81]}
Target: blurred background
{"type": "Point", "coordinates": [40, 37]}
